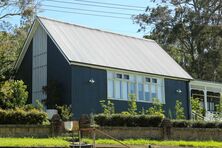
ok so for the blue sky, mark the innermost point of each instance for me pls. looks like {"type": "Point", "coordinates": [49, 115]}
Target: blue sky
{"type": "Point", "coordinates": [122, 26]}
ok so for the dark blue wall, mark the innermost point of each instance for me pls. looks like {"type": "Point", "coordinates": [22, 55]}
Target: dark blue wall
{"type": "Point", "coordinates": [25, 71]}
{"type": "Point", "coordinates": [86, 96]}
{"type": "Point", "coordinates": [171, 95]}
{"type": "Point", "coordinates": [59, 71]}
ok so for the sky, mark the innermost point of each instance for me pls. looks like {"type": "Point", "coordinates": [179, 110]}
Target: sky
{"type": "Point", "coordinates": [118, 25]}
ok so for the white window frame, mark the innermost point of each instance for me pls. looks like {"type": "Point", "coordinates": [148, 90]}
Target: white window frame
{"type": "Point", "coordinates": [144, 76]}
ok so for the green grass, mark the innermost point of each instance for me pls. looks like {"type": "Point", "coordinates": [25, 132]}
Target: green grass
{"type": "Point", "coordinates": [214, 144]}
{"type": "Point", "coordinates": [34, 142]}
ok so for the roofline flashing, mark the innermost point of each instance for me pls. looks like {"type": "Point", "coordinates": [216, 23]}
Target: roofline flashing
{"type": "Point", "coordinates": [119, 69]}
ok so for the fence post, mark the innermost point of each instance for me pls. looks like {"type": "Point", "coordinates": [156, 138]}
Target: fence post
{"type": "Point", "coordinates": [166, 129]}
{"type": "Point", "coordinates": [56, 125]}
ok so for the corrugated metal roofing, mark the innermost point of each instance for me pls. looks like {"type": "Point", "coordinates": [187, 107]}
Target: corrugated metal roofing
{"type": "Point", "coordinates": [91, 46]}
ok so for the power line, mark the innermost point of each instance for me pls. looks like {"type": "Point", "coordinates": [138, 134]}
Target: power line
{"type": "Point", "coordinates": [110, 16]}
{"type": "Point", "coordinates": [108, 12]}
{"type": "Point", "coordinates": [94, 5]}
{"type": "Point", "coordinates": [131, 6]}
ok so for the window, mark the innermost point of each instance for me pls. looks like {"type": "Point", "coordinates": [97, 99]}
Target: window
{"type": "Point", "coordinates": [120, 85]}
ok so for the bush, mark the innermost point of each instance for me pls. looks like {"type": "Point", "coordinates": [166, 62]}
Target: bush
{"type": "Point", "coordinates": [219, 125]}
{"type": "Point", "coordinates": [21, 116]}
{"type": "Point", "coordinates": [180, 123]}
{"type": "Point", "coordinates": [211, 124]}
{"type": "Point", "coordinates": [13, 94]}
{"type": "Point", "coordinates": [198, 124]}
{"type": "Point", "coordinates": [156, 109]}
{"type": "Point", "coordinates": [65, 112]}
{"type": "Point", "coordinates": [128, 120]}
{"type": "Point", "coordinates": [179, 110]}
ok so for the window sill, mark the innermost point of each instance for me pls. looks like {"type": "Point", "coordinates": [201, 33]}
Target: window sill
{"type": "Point", "coordinates": [140, 101]}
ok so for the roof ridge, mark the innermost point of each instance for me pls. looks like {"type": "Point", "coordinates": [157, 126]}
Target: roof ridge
{"type": "Point", "coordinates": [41, 17]}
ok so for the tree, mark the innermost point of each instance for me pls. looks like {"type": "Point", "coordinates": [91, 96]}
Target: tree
{"type": "Point", "coordinates": [179, 110]}
{"type": "Point", "coordinates": [12, 37]}
{"type": "Point", "coordinates": [23, 8]}
{"type": "Point", "coordinates": [190, 31]}
{"type": "Point", "coordinates": [132, 105]}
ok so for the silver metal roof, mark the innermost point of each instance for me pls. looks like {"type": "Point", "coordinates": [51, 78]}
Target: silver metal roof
{"type": "Point", "coordinates": [91, 46]}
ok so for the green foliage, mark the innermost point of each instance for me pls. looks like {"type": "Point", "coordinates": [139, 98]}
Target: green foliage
{"type": "Point", "coordinates": [34, 142]}
{"type": "Point", "coordinates": [218, 114]}
{"type": "Point", "coordinates": [13, 94]}
{"type": "Point", "coordinates": [53, 91]}
{"type": "Point", "coordinates": [190, 31]}
{"type": "Point", "coordinates": [170, 114]}
{"type": "Point", "coordinates": [65, 112]}
{"type": "Point", "coordinates": [21, 116]}
{"type": "Point", "coordinates": [128, 120]}
{"type": "Point", "coordinates": [179, 110]}
{"type": "Point", "coordinates": [196, 106]}
{"type": "Point", "coordinates": [107, 106]}
{"type": "Point", "coordinates": [164, 143]}
{"type": "Point", "coordinates": [156, 109]}
{"type": "Point", "coordinates": [132, 106]}
{"type": "Point", "coordinates": [39, 105]}
{"type": "Point", "coordinates": [181, 123]}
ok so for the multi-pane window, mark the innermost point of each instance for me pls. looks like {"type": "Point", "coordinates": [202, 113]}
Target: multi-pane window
{"type": "Point", "coordinates": [121, 85]}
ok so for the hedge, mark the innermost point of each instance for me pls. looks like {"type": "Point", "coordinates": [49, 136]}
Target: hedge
{"type": "Point", "coordinates": [20, 116]}
{"type": "Point", "coordinates": [180, 123]}
{"type": "Point", "coordinates": [196, 124]}
{"type": "Point", "coordinates": [128, 120]}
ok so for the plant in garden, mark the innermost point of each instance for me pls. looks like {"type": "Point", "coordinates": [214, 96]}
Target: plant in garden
{"type": "Point", "coordinates": [13, 94]}
{"type": "Point", "coordinates": [179, 110]}
{"type": "Point", "coordinates": [39, 105]}
{"type": "Point", "coordinates": [156, 109]}
{"type": "Point", "coordinates": [196, 106]}
{"type": "Point", "coordinates": [132, 106]}
{"type": "Point", "coordinates": [65, 112]}
{"type": "Point", "coordinates": [107, 106]}
{"type": "Point", "coordinates": [218, 115]}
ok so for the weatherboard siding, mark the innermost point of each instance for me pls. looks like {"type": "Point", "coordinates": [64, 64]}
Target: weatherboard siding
{"type": "Point", "coordinates": [59, 71]}
{"type": "Point", "coordinates": [86, 96]}
{"type": "Point", "coordinates": [39, 64]}
{"type": "Point", "coordinates": [171, 94]}
{"type": "Point", "coordinates": [25, 71]}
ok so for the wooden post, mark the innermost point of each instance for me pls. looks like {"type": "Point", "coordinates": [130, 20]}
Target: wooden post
{"type": "Point", "coordinates": [94, 138]}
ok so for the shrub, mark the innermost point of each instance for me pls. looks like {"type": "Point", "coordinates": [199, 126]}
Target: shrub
{"type": "Point", "coordinates": [132, 106]}
{"type": "Point", "coordinates": [211, 124]}
{"type": "Point", "coordinates": [180, 123]}
{"type": "Point", "coordinates": [179, 110]}
{"type": "Point", "coordinates": [107, 106]}
{"type": "Point", "coordinates": [13, 94]}
{"type": "Point", "coordinates": [198, 124]}
{"type": "Point", "coordinates": [21, 116]}
{"type": "Point", "coordinates": [128, 120]}
{"type": "Point", "coordinates": [149, 120]}
{"type": "Point", "coordinates": [102, 119]}
{"type": "Point", "coordinates": [156, 109]}
{"type": "Point", "coordinates": [65, 112]}
{"type": "Point", "coordinates": [196, 106]}
{"type": "Point", "coordinates": [219, 125]}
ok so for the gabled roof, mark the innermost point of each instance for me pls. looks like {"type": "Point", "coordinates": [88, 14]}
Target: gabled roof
{"type": "Point", "coordinates": [95, 47]}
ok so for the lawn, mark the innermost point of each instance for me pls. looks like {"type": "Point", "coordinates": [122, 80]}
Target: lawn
{"type": "Point", "coordinates": [50, 142]}
{"type": "Point", "coordinates": [33, 142]}
{"type": "Point", "coordinates": [214, 144]}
